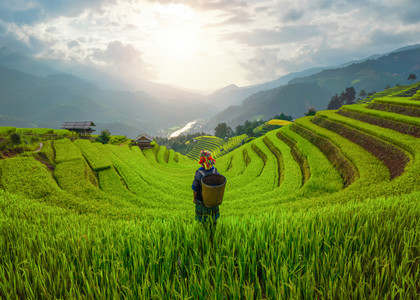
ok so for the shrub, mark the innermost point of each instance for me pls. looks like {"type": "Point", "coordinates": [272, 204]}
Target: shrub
{"type": "Point", "coordinates": [15, 138]}
{"type": "Point", "coordinates": [104, 137]}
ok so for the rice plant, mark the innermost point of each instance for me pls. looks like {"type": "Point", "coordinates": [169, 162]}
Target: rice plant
{"type": "Point", "coordinates": [308, 213]}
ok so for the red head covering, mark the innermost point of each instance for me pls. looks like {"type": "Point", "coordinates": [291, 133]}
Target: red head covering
{"type": "Point", "coordinates": [206, 160]}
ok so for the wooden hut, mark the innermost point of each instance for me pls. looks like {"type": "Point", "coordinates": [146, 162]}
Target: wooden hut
{"type": "Point", "coordinates": [83, 128]}
{"type": "Point", "coordinates": [143, 141]}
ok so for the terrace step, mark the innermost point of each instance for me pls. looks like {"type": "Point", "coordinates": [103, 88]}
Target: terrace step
{"type": "Point", "coordinates": [27, 177]}
{"type": "Point", "coordinates": [358, 167]}
{"type": "Point", "coordinates": [96, 160]}
{"type": "Point", "coordinates": [323, 177]}
{"type": "Point", "coordinates": [260, 175]}
{"type": "Point", "coordinates": [300, 159]}
{"type": "Point", "coordinates": [334, 154]}
{"type": "Point", "coordinates": [392, 156]}
{"type": "Point", "coordinates": [397, 105]}
{"type": "Point", "coordinates": [233, 163]}
{"type": "Point", "coordinates": [261, 154]}
{"type": "Point", "coordinates": [277, 154]}
{"type": "Point", "coordinates": [290, 176]}
{"type": "Point", "coordinates": [397, 122]}
{"type": "Point", "coordinates": [265, 190]}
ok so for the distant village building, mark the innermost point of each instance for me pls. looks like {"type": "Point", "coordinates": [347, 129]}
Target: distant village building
{"type": "Point", "coordinates": [143, 141]}
{"type": "Point", "coordinates": [82, 128]}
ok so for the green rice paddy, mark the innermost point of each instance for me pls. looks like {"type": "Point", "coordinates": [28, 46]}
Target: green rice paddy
{"type": "Point", "coordinates": [311, 211]}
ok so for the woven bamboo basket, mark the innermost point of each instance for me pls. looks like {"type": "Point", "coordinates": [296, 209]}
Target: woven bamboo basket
{"type": "Point", "coordinates": [212, 189]}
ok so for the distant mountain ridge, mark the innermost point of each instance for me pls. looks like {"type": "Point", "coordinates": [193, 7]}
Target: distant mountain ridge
{"type": "Point", "coordinates": [100, 79]}
{"type": "Point", "coordinates": [41, 99]}
{"type": "Point", "coordinates": [316, 90]}
{"type": "Point", "coordinates": [49, 101]}
{"type": "Point", "coordinates": [234, 95]}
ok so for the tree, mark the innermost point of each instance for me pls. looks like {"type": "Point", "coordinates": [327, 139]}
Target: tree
{"type": "Point", "coordinates": [240, 129]}
{"type": "Point", "coordinates": [412, 77]}
{"type": "Point", "coordinates": [282, 116]}
{"type": "Point", "coordinates": [334, 103]}
{"type": "Point", "coordinates": [221, 130]}
{"type": "Point", "coordinates": [15, 138]}
{"type": "Point", "coordinates": [229, 132]}
{"type": "Point", "coordinates": [346, 97]}
{"type": "Point", "coordinates": [349, 95]}
{"type": "Point", "coordinates": [362, 94]}
{"type": "Point", "coordinates": [104, 137]}
{"type": "Point", "coordinates": [249, 131]}
{"type": "Point", "coordinates": [311, 112]}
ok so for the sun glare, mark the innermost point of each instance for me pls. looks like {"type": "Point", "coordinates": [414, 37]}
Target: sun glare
{"type": "Point", "coordinates": [177, 11]}
{"type": "Point", "coordinates": [177, 37]}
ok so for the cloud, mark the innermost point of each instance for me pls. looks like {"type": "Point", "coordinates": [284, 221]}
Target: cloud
{"type": "Point", "coordinates": [254, 39]}
{"type": "Point", "coordinates": [263, 66]}
{"type": "Point", "coordinates": [281, 35]}
{"type": "Point", "coordinates": [409, 13]}
{"type": "Point", "coordinates": [221, 5]}
{"type": "Point", "coordinates": [32, 12]}
{"type": "Point", "coordinates": [293, 15]}
{"type": "Point", "coordinates": [120, 58]}
{"type": "Point", "coordinates": [241, 19]}
{"type": "Point", "coordinates": [382, 37]}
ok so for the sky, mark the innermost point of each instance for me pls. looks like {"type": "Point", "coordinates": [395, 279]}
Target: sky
{"type": "Point", "coordinates": [204, 45]}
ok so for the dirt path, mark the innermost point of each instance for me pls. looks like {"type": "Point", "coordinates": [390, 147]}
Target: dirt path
{"type": "Point", "coordinates": [40, 147]}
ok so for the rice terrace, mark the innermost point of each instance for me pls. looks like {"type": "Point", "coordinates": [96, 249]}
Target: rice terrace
{"type": "Point", "coordinates": [326, 207]}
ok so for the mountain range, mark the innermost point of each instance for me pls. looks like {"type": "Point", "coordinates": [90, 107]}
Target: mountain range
{"type": "Point", "coordinates": [37, 93]}
{"type": "Point", "coordinates": [315, 90]}
{"type": "Point", "coordinates": [33, 101]}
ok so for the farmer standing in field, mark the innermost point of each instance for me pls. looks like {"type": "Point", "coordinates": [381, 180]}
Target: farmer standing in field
{"type": "Point", "coordinates": [202, 213]}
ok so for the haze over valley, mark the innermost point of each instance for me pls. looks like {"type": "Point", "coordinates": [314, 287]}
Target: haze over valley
{"type": "Point", "coordinates": [155, 66]}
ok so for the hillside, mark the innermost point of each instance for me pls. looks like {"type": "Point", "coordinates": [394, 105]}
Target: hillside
{"type": "Point", "coordinates": [325, 207]}
{"type": "Point", "coordinates": [234, 95]}
{"type": "Point", "coordinates": [51, 100]}
{"type": "Point", "coordinates": [216, 145]}
{"type": "Point", "coordinates": [316, 90]}
{"type": "Point", "coordinates": [370, 75]}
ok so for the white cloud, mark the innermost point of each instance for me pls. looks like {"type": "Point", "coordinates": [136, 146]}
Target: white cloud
{"type": "Point", "coordinates": [217, 42]}
{"type": "Point", "coordinates": [122, 59]}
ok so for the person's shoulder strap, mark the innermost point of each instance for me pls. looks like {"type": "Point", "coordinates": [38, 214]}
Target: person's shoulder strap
{"type": "Point", "coordinates": [214, 170]}
{"type": "Point", "coordinates": [201, 172]}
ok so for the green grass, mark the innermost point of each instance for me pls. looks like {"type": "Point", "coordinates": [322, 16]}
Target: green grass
{"type": "Point", "coordinates": [396, 91]}
{"type": "Point", "coordinates": [369, 168]}
{"type": "Point", "coordinates": [6, 129]}
{"type": "Point", "coordinates": [358, 250]}
{"type": "Point", "coordinates": [35, 131]}
{"type": "Point", "coordinates": [93, 155]}
{"type": "Point", "coordinates": [216, 145]}
{"type": "Point", "coordinates": [65, 150]}
{"type": "Point", "coordinates": [324, 177]}
{"type": "Point", "coordinates": [109, 221]}
{"type": "Point", "coordinates": [401, 101]}
{"type": "Point", "coordinates": [47, 152]}
{"type": "Point", "coordinates": [362, 109]}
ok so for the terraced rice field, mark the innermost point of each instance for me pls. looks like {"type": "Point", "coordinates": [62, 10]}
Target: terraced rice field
{"type": "Point", "coordinates": [326, 207]}
{"type": "Point", "coordinates": [216, 145]}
